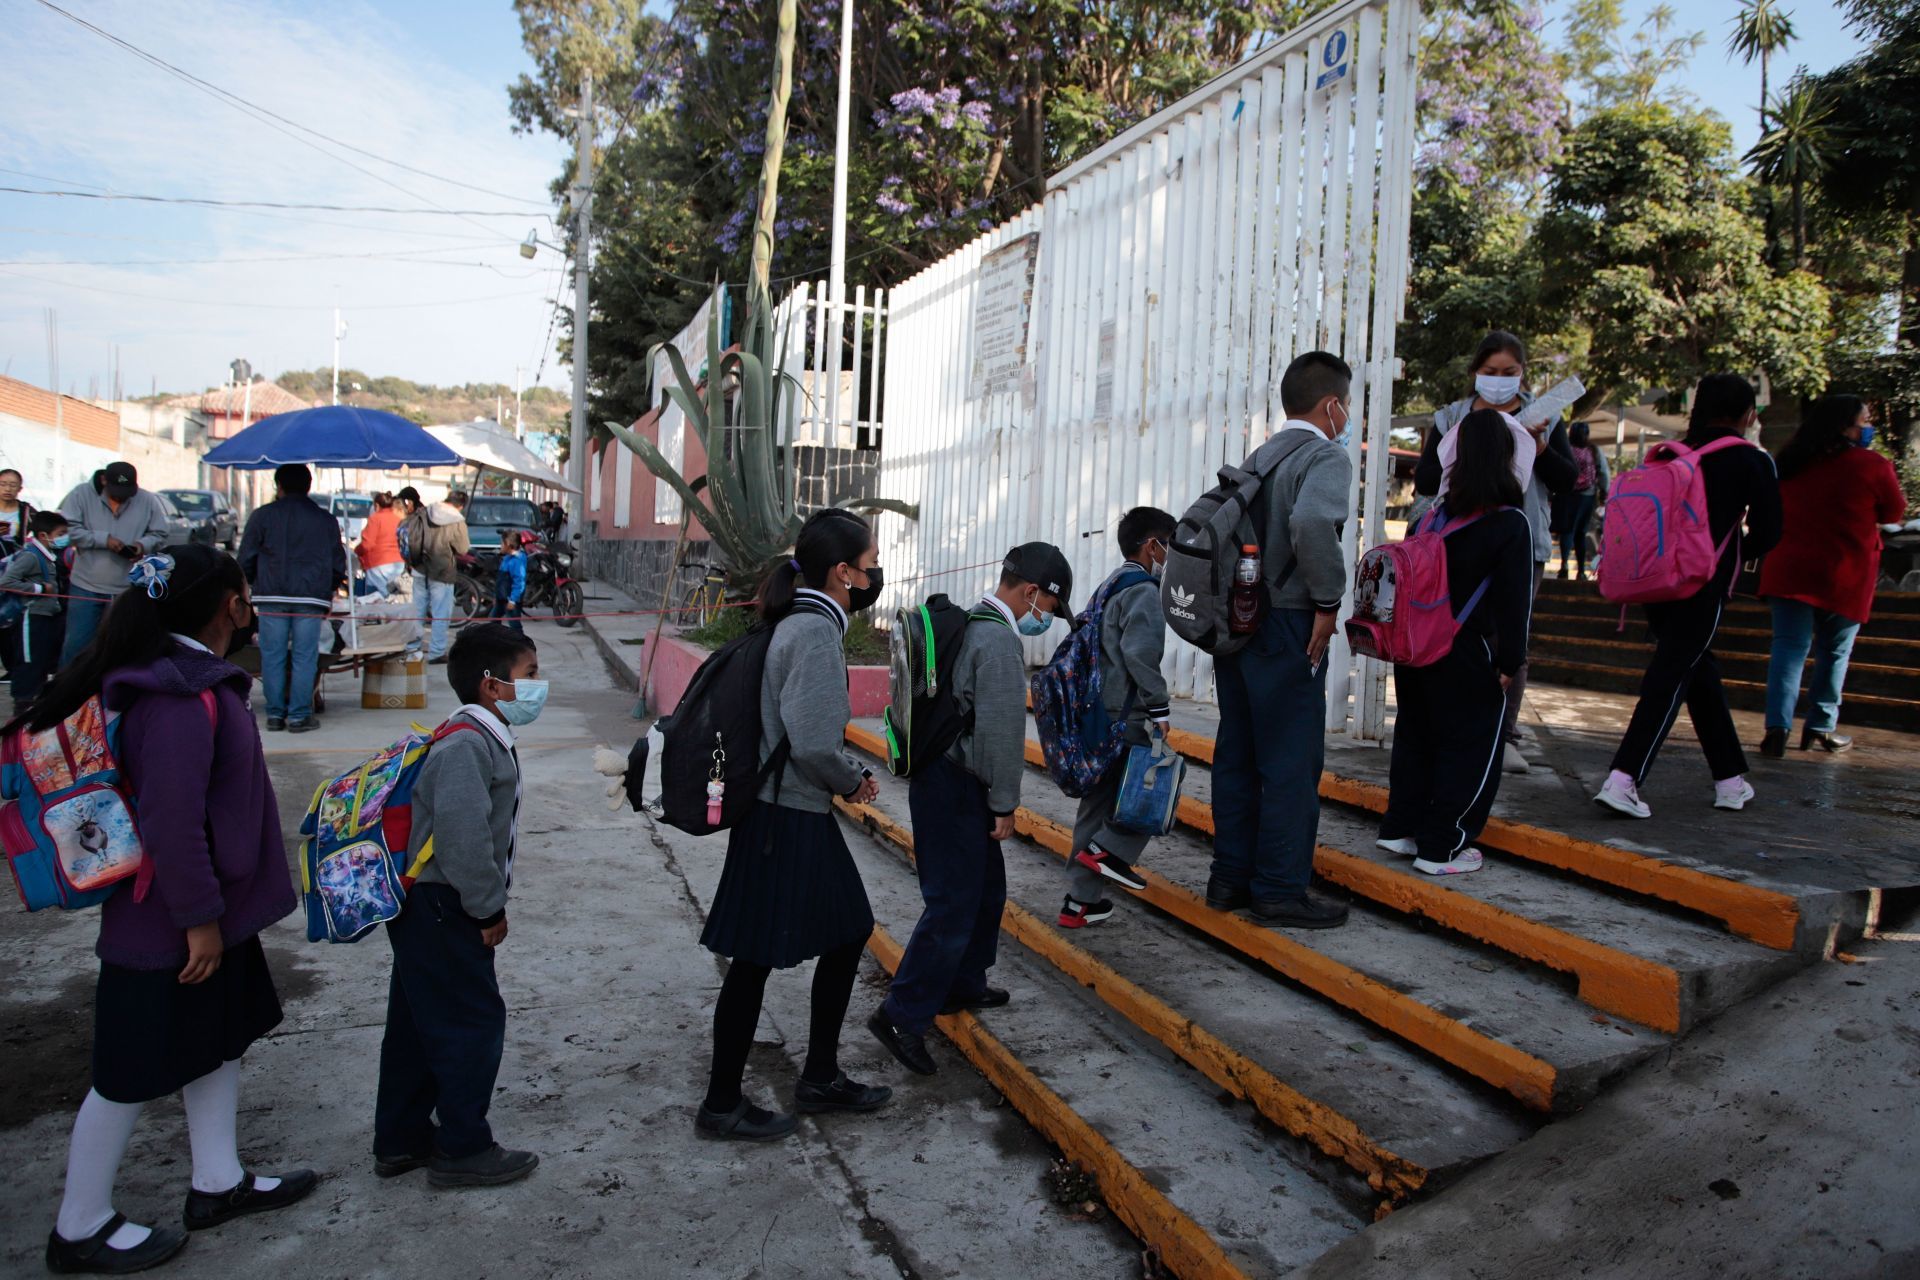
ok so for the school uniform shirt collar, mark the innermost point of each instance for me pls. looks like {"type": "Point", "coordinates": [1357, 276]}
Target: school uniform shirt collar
{"type": "Point", "coordinates": [488, 721]}
{"type": "Point", "coordinates": [826, 603]}
{"type": "Point", "coordinates": [1001, 605]}
{"type": "Point", "coordinates": [191, 643]}
{"type": "Point", "coordinates": [1295, 424]}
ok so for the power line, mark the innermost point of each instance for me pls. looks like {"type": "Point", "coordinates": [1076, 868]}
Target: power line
{"type": "Point", "coordinates": [268, 204]}
{"type": "Point", "coordinates": [235, 99]}
{"type": "Point", "coordinates": [272, 306]}
{"type": "Point", "coordinates": [279, 257]}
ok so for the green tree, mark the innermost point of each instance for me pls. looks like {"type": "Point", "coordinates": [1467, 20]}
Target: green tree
{"type": "Point", "coordinates": [1653, 248]}
{"type": "Point", "coordinates": [1794, 152]}
{"type": "Point", "coordinates": [1616, 69]}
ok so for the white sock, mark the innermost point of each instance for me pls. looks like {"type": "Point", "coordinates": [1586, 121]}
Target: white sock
{"type": "Point", "coordinates": [213, 1106]}
{"type": "Point", "coordinates": [100, 1135]}
{"type": "Point", "coordinates": [1620, 781]}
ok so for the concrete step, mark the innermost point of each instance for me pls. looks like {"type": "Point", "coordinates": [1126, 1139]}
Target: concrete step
{"type": "Point", "coordinates": [1901, 714]}
{"type": "Point", "coordinates": [1224, 1195]}
{"type": "Point", "coordinates": [1868, 646]}
{"type": "Point", "coordinates": [1631, 650]}
{"type": "Point", "coordinates": [1328, 1078]}
{"type": "Point", "coordinates": [1896, 615]}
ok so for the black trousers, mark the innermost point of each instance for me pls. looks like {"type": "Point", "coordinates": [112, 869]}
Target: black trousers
{"type": "Point", "coordinates": [1683, 671]}
{"type": "Point", "coordinates": [446, 1027]}
{"type": "Point", "coordinates": [1446, 750]}
{"type": "Point", "coordinates": [33, 651]}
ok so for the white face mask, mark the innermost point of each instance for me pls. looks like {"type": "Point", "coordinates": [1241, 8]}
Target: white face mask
{"type": "Point", "coordinates": [1496, 390]}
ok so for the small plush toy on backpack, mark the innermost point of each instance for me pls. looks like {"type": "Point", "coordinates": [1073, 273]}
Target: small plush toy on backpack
{"type": "Point", "coordinates": [354, 871]}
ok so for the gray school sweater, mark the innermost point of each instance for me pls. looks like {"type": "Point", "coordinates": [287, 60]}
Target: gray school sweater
{"type": "Point", "coordinates": [1306, 497]}
{"type": "Point", "coordinates": [466, 800]}
{"type": "Point", "coordinates": [803, 697]}
{"type": "Point", "coordinates": [990, 680]}
{"type": "Point", "coordinates": [1133, 638]}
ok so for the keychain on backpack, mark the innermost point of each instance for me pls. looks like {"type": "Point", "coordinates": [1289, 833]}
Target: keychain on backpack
{"type": "Point", "coordinates": [716, 786]}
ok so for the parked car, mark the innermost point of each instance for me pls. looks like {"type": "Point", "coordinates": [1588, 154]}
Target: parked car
{"type": "Point", "coordinates": [490, 517]}
{"type": "Point", "coordinates": [212, 516]}
{"type": "Point", "coordinates": [351, 510]}
{"type": "Point", "coordinates": [180, 529]}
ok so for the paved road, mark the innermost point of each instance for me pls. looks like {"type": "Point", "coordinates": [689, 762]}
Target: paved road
{"type": "Point", "coordinates": [606, 1055]}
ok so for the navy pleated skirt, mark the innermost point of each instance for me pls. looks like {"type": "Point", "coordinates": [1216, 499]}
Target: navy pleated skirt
{"type": "Point", "coordinates": [789, 891]}
{"type": "Point", "coordinates": [152, 1034]}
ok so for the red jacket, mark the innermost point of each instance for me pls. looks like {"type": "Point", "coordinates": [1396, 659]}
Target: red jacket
{"type": "Point", "coordinates": [1829, 552]}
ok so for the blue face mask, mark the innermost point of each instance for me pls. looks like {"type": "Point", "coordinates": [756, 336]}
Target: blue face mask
{"type": "Point", "coordinates": [529, 699]}
{"type": "Point", "coordinates": [1866, 436]}
{"type": "Point", "coordinates": [1345, 438]}
{"type": "Point", "coordinates": [1034, 624]}
{"type": "Point", "coordinates": [63, 541]}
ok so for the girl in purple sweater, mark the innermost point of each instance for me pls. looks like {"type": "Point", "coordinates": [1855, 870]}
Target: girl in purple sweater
{"type": "Point", "coordinates": [184, 987]}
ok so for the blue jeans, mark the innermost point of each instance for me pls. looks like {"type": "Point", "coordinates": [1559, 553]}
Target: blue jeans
{"type": "Point", "coordinates": [508, 609]}
{"type": "Point", "coordinates": [436, 607]}
{"type": "Point", "coordinates": [84, 610]}
{"type": "Point", "coordinates": [963, 881]}
{"type": "Point", "coordinates": [289, 642]}
{"type": "Point", "coordinates": [382, 576]}
{"type": "Point", "coordinates": [1798, 627]}
{"type": "Point", "coordinates": [1267, 758]}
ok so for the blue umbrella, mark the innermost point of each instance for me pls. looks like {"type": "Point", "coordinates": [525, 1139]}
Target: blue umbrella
{"type": "Point", "coordinates": [332, 436]}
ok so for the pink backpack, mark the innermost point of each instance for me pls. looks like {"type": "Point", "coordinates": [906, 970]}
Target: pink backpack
{"type": "Point", "coordinates": [1402, 604]}
{"type": "Point", "coordinates": [1655, 543]}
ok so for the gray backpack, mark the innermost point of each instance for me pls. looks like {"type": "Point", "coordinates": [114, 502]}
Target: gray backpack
{"type": "Point", "coordinates": [1196, 587]}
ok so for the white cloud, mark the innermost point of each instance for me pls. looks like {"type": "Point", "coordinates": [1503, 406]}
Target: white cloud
{"type": "Point", "coordinates": [81, 109]}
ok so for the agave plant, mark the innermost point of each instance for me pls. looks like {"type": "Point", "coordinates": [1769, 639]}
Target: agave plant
{"type": "Point", "coordinates": [746, 411]}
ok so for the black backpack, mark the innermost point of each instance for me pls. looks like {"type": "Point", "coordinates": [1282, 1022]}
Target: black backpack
{"type": "Point", "coordinates": [714, 736]}
{"type": "Point", "coordinates": [922, 719]}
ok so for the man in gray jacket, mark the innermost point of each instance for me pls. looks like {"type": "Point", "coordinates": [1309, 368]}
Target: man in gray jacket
{"type": "Point", "coordinates": [962, 808]}
{"type": "Point", "coordinates": [1271, 744]}
{"type": "Point", "coordinates": [446, 1022]}
{"type": "Point", "coordinates": [436, 539]}
{"type": "Point", "coordinates": [1133, 639]}
{"type": "Point", "coordinates": [112, 522]}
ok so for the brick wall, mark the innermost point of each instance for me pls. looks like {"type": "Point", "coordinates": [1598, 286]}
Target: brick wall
{"type": "Point", "coordinates": [84, 423]}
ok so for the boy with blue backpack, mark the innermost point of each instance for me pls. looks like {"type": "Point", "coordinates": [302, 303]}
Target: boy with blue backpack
{"type": "Point", "coordinates": [446, 1022]}
{"type": "Point", "coordinates": [962, 804]}
{"type": "Point", "coordinates": [1133, 638]}
{"type": "Point", "coordinates": [32, 577]}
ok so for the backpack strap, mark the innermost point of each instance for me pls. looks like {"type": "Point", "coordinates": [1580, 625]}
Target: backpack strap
{"type": "Point", "coordinates": [143, 878]}
{"type": "Point", "coordinates": [446, 729]}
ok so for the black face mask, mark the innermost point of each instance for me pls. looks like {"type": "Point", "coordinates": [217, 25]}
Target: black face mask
{"type": "Point", "coordinates": [859, 598]}
{"type": "Point", "coordinates": [243, 636]}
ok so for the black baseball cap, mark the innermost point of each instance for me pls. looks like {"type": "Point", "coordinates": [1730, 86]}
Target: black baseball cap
{"type": "Point", "coordinates": [1042, 564]}
{"type": "Point", "coordinates": [120, 480]}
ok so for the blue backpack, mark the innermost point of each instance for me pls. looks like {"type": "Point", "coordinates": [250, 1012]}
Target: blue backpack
{"type": "Point", "coordinates": [68, 823]}
{"type": "Point", "coordinates": [1080, 740]}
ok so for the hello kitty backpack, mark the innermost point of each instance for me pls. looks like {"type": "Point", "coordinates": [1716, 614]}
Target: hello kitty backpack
{"type": "Point", "coordinates": [67, 821]}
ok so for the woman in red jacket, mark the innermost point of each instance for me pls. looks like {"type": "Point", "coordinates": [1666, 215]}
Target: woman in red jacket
{"type": "Point", "coordinates": [1835, 493]}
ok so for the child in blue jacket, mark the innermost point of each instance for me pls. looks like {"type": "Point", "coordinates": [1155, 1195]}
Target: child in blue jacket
{"type": "Point", "coordinates": [510, 581]}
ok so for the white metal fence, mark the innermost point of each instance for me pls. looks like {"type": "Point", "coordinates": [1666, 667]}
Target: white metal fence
{"type": "Point", "coordinates": [1174, 274]}
{"type": "Point", "coordinates": [840, 402]}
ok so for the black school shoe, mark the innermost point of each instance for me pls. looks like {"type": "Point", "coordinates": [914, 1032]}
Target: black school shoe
{"type": "Point", "coordinates": [909, 1048]}
{"type": "Point", "coordinates": [493, 1167]}
{"type": "Point", "coordinates": [1303, 912]}
{"type": "Point", "coordinates": [210, 1209]}
{"type": "Point", "coordinates": [842, 1095]}
{"type": "Point", "coordinates": [93, 1256]}
{"type": "Point", "coordinates": [276, 723]}
{"type": "Point", "coordinates": [989, 998]}
{"type": "Point", "coordinates": [745, 1123]}
{"type": "Point", "coordinates": [302, 726]}
{"type": "Point", "coordinates": [1224, 895]}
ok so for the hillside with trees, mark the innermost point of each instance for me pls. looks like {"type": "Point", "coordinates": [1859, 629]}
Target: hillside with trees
{"type": "Point", "coordinates": [543, 408]}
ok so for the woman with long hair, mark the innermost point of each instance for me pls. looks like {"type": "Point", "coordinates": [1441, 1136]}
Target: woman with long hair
{"type": "Point", "coordinates": [790, 890]}
{"type": "Point", "coordinates": [184, 987]}
{"type": "Point", "coordinates": [1590, 481]}
{"type": "Point", "coordinates": [1447, 735]}
{"type": "Point", "coordinates": [1835, 493]}
{"type": "Point", "coordinates": [1498, 370]}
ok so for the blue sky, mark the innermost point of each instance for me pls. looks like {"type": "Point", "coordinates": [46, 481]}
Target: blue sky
{"type": "Point", "coordinates": [448, 299]}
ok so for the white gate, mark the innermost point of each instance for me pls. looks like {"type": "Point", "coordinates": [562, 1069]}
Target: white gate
{"type": "Point", "coordinates": [839, 405]}
{"type": "Point", "coordinates": [1175, 272]}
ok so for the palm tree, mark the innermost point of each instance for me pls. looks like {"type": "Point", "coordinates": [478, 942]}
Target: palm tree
{"type": "Point", "coordinates": [1795, 151]}
{"type": "Point", "coordinates": [1761, 29]}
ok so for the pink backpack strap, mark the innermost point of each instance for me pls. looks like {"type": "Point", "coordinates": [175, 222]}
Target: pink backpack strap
{"type": "Point", "coordinates": [143, 878]}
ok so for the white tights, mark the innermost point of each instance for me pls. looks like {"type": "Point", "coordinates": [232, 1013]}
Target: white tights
{"type": "Point", "coordinates": [100, 1135]}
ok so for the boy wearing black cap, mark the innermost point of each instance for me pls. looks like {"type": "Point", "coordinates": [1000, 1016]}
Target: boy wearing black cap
{"type": "Point", "coordinates": [962, 808]}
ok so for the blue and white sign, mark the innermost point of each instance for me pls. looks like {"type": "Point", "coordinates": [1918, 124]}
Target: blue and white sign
{"type": "Point", "coordinates": [1333, 59]}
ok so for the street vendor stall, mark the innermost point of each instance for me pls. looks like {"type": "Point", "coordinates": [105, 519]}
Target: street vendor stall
{"type": "Point", "coordinates": [367, 629]}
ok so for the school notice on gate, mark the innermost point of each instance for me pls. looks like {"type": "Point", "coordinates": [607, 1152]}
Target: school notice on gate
{"type": "Point", "coordinates": [1002, 315]}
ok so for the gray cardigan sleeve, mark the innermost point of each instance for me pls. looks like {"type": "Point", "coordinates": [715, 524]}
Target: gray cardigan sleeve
{"type": "Point", "coordinates": [15, 577]}
{"type": "Point", "coordinates": [1141, 629]}
{"type": "Point", "coordinates": [459, 806]}
{"type": "Point", "coordinates": [1319, 512]}
{"type": "Point", "coordinates": [814, 712]}
{"type": "Point", "coordinates": [1000, 723]}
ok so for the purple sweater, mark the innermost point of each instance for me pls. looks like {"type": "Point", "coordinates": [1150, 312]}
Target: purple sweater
{"type": "Point", "coordinates": [205, 807]}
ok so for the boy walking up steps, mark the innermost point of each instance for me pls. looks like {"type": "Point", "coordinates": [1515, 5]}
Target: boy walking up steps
{"type": "Point", "coordinates": [1133, 638]}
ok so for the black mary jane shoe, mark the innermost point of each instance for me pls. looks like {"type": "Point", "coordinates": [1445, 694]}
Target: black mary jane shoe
{"type": "Point", "coordinates": [210, 1209]}
{"type": "Point", "coordinates": [1815, 740]}
{"type": "Point", "coordinates": [94, 1256]}
{"type": "Point", "coordinates": [842, 1095]}
{"type": "Point", "coordinates": [989, 998]}
{"type": "Point", "coordinates": [745, 1123]}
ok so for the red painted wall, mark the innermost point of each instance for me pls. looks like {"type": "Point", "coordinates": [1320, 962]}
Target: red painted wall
{"type": "Point", "coordinates": [609, 457]}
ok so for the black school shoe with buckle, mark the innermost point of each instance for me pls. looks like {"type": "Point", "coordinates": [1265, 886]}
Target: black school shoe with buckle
{"type": "Point", "coordinates": [493, 1167]}
{"type": "Point", "coordinates": [989, 998]}
{"type": "Point", "coordinates": [95, 1257]}
{"type": "Point", "coordinates": [210, 1209]}
{"type": "Point", "coordinates": [1303, 912]}
{"type": "Point", "coordinates": [909, 1048]}
{"type": "Point", "coordinates": [842, 1095]}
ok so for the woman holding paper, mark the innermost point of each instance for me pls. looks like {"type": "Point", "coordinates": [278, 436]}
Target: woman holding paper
{"type": "Point", "coordinates": [1499, 372]}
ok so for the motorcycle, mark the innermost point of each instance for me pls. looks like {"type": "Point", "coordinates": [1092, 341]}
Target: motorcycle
{"type": "Point", "coordinates": [550, 585]}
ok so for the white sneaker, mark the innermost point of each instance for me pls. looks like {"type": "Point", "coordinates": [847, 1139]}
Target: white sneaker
{"type": "Point", "coordinates": [1623, 798]}
{"type": "Point", "coordinates": [1462, 862]}
{"type": "Point", "coordinates": [1511, 761]}
{"type": "Point", "coordinates": [1735, 798]}
{"type": "Point", "coordinates": [1403, 846]}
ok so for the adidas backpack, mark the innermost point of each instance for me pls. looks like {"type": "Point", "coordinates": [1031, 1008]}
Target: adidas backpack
{"type": "Point", "coordinates": [922, 719]}
{"type": "Point", "coordinates": [1655, 543]}
{"type": "Point", "coordinates": [1402, 600]}
{"type": "Point", "coordinates": [1196, 586]}
{"type": "Point", "coordinates": [1079, 739]}
{"type": "Point", "coordinates": [354, 872]}
{"type": "Point", "coordinates": [68, 822]}
{"type": "Point", "coordinates": [710, 770]}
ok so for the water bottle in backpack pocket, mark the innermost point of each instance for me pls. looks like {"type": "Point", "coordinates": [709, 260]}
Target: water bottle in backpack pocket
{"type": "Point", "coordinates": [1655, 542]}
{"type": "Point", "coordinates": [1403, 601]}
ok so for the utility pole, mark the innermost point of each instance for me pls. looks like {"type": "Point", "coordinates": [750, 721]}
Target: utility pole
{"type": "Point", "coordinates": [339, 332]}
{"type": "Point", "coordinates": [582, 255]}
{"type": "Point", "coordinates": [837, 269]}
{"type": "Point", "coordinates": [519, 427]}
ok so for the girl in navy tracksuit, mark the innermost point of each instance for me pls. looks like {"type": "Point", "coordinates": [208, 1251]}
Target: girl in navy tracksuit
{"type": "Point", "coordinates": [1447, 734]}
